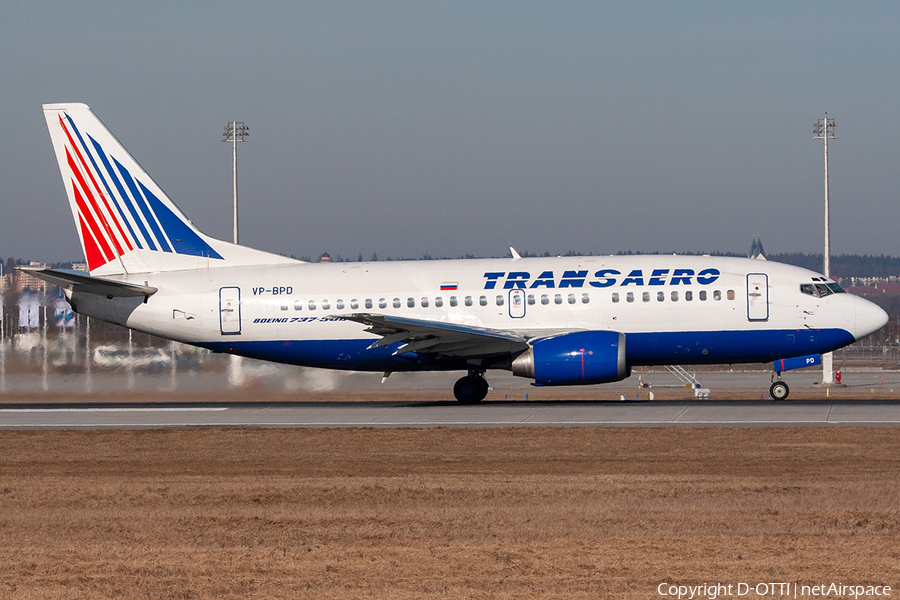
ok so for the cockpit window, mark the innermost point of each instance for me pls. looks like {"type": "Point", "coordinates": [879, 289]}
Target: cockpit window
{"type": "Point", "coordinates": [823, 290]}
{"type": "Point", "coordinates": [820, 290]}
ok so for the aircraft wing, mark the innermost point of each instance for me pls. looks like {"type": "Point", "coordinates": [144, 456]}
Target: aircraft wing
{"type": "Point", "coordinates": [438, 337]}
{"type": "Point", "coordinates": [79, 281]}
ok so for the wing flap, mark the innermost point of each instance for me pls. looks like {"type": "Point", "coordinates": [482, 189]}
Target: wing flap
{"type": "Point", "coordinates": [438, 337]}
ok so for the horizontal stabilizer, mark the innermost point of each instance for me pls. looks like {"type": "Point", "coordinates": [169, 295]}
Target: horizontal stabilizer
{"type": "Point", "coordinates": [79, 281]}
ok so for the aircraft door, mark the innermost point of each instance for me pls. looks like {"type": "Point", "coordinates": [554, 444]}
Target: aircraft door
{"type": "Point", "coordinates": [516, 303]}
{"type": "Point", "coordinates": [230, 310]}
{"type": "Point", "coordinates": [757, 297]}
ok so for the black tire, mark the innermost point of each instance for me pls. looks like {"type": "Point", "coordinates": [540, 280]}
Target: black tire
{"type": "Point", "coordinates": [779, 390]}
{"type": "Point", "coordinates": [484, 387]}
{"type": "Point", "coordinates": [470, 389]}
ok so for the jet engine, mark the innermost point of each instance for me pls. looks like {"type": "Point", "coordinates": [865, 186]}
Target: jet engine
{"type": "Point", "coordinates": [581, 357]}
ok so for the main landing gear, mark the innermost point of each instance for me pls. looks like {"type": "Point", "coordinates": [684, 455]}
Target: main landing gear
{"type": "Point", "coordinates": [779, 389]}
{"type": "Point", "coordinates": [472, 388]}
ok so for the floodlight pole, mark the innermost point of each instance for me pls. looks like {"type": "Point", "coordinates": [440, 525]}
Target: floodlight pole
{"type": "Point", "coordinates": [823, 130]}
{"type": "Point", "coordinates": [235, 131]}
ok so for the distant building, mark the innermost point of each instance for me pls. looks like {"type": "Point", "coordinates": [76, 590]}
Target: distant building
{"type": "Point", "coordinates": [27, 281]}
{"type": "Point", "coordinates": [325, 258]}
{"type": "Point", "coordinates": [873, 287]}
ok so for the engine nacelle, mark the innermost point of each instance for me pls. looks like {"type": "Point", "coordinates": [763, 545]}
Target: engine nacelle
{"type": "Point", "coordinates": [581, 357]}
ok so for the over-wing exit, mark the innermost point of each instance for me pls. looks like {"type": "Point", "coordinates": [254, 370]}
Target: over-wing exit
{"type": "Point", "coordinates": [558, 321]}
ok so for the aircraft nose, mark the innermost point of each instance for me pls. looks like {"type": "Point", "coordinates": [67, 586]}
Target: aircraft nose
{"type": "Point", "coordinates": [869, 318]}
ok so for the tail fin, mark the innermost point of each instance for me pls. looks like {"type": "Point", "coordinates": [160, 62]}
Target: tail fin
{"type": "Point", "coordinates": [125, 222]}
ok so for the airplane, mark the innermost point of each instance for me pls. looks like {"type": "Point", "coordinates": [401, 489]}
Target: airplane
{"type": "Point", "coordinates": [558, 320]}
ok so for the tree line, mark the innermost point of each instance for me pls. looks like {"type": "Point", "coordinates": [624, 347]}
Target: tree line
{"type": "Point", "coordinates": [842, 265]}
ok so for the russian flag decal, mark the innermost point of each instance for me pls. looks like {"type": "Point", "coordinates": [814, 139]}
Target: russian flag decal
{"type": "Point", "coordinates": [448, 286]}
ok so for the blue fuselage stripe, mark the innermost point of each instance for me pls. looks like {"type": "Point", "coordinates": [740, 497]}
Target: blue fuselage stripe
{"type": "Point", "coordinates": [725, 347]}
{"type": "Point", "coordinates": [641, 349]}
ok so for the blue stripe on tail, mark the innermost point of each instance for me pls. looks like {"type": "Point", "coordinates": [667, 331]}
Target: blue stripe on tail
{"type": "Point", "coordinates": [141, 204]}
{"type": "Point", "coordinates": [183, 238]}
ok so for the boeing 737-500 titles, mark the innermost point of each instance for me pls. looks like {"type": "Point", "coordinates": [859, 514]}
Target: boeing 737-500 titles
{"type": "Point", "coordinates": [558, 321]}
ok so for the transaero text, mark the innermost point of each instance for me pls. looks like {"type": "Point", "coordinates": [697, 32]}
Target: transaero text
{"type": "Point", "coordinates": [711, 591]}
{"type": "Point", "coordinates": [599, 279]}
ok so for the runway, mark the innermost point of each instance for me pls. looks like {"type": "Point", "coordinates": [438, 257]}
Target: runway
{"type": "Point", "coordinates": [701, 413]}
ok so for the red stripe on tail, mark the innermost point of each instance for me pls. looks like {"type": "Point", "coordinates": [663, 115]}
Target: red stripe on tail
{"type": "Point", "coordinates": [100, 244]}
{"type": "Point", "coordinates": [90, 193]}
{"type": "Point", "coordinates": [103, 226]}
{"type": "Point", "coordinates": [92, 253]}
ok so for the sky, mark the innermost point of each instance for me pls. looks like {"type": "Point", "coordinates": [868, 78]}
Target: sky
{"type": "Point", "coordinates": [453, 128]}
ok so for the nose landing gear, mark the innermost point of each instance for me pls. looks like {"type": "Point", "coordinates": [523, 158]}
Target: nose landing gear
{"type": "Point", "coordinates": [779, 389]}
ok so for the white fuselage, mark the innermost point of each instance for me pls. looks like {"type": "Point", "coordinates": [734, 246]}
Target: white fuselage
{"type": "Point", "coordinates": [687, 309]}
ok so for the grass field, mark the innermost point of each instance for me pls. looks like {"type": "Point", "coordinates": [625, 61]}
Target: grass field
{"type": "Point", "coordinates": [451, 513]}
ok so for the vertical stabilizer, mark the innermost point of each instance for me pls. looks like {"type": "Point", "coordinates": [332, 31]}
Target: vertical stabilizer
{"type": "Point", "coordinates": [125, 222]}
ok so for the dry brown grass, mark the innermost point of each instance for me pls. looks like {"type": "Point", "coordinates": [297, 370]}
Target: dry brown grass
{"type": "Point", "coordinates": [456, 513]}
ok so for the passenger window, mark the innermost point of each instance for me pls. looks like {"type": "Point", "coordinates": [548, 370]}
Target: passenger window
{"type": "Point", "coordinates": [557, 298]}
{"type": "Point", "coordinates": [326, 305]}
{"type": "Point", "coordinates": [730, 294]}
{"type": "Point", "coordinates": [396, 302]}
{"type": "Point", "coordinates": [424, 302]}
{"type": "Point", "coordinates": [703, 295]}
{"type": "Point", "coordinates": [339, 305]}
{"type": "Point", "coordinates": [312, 305]}
{"type": "Point", "coordinates": [645, 296]}
{"type": "Point", "coordinates": [284, 305]}
{"type": "Point", "coordinates": [688, 296]}
{"type": "Point", "coordinates": [717, 295]}
{"type": "Point", "coordinates": [545, 299]}
{"type": "Point", "coordinates": [354, 304]}
{"type": "Point", "coordinates": [660, 296]}
{"type": "Point", "coordinates": [482, 300]}
{"type": "Point", "coordinates": [499, 300]}
{"type": "Point", "coordinates": [382, 303]}
{"type": "Point", "coordinates": [410, 302]}
{"type": "Point", "coordinates": [615, 297]}
{"type": "Point", "coordinates": [571, 298]}
{"type": "Point", "coordinates": [438, 302]}
{"type": "Point", "coordinates": [531, 299]}
{"type": "Point", "coordinates": [468, 300]}
{"type": "Point", "coordinates": [298, 305]}
{"type": "Point", "coordinates": [629, 296]}
{"type": "Point", "coordinates": [585, 298]}
{"type": "Point", "coordinates": [674, 296]}
{"type": "Point", "coordinates": [453, 301]}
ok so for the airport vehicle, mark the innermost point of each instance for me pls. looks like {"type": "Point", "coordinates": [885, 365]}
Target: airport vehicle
{"type": "Point", "coordinates": [559, 321]}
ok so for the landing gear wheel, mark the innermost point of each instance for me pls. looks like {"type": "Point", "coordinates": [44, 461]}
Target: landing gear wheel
{"type": "Point", "coordinates": [470, 389]}
{"type": "Point", "coordinates": [779, 390]}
